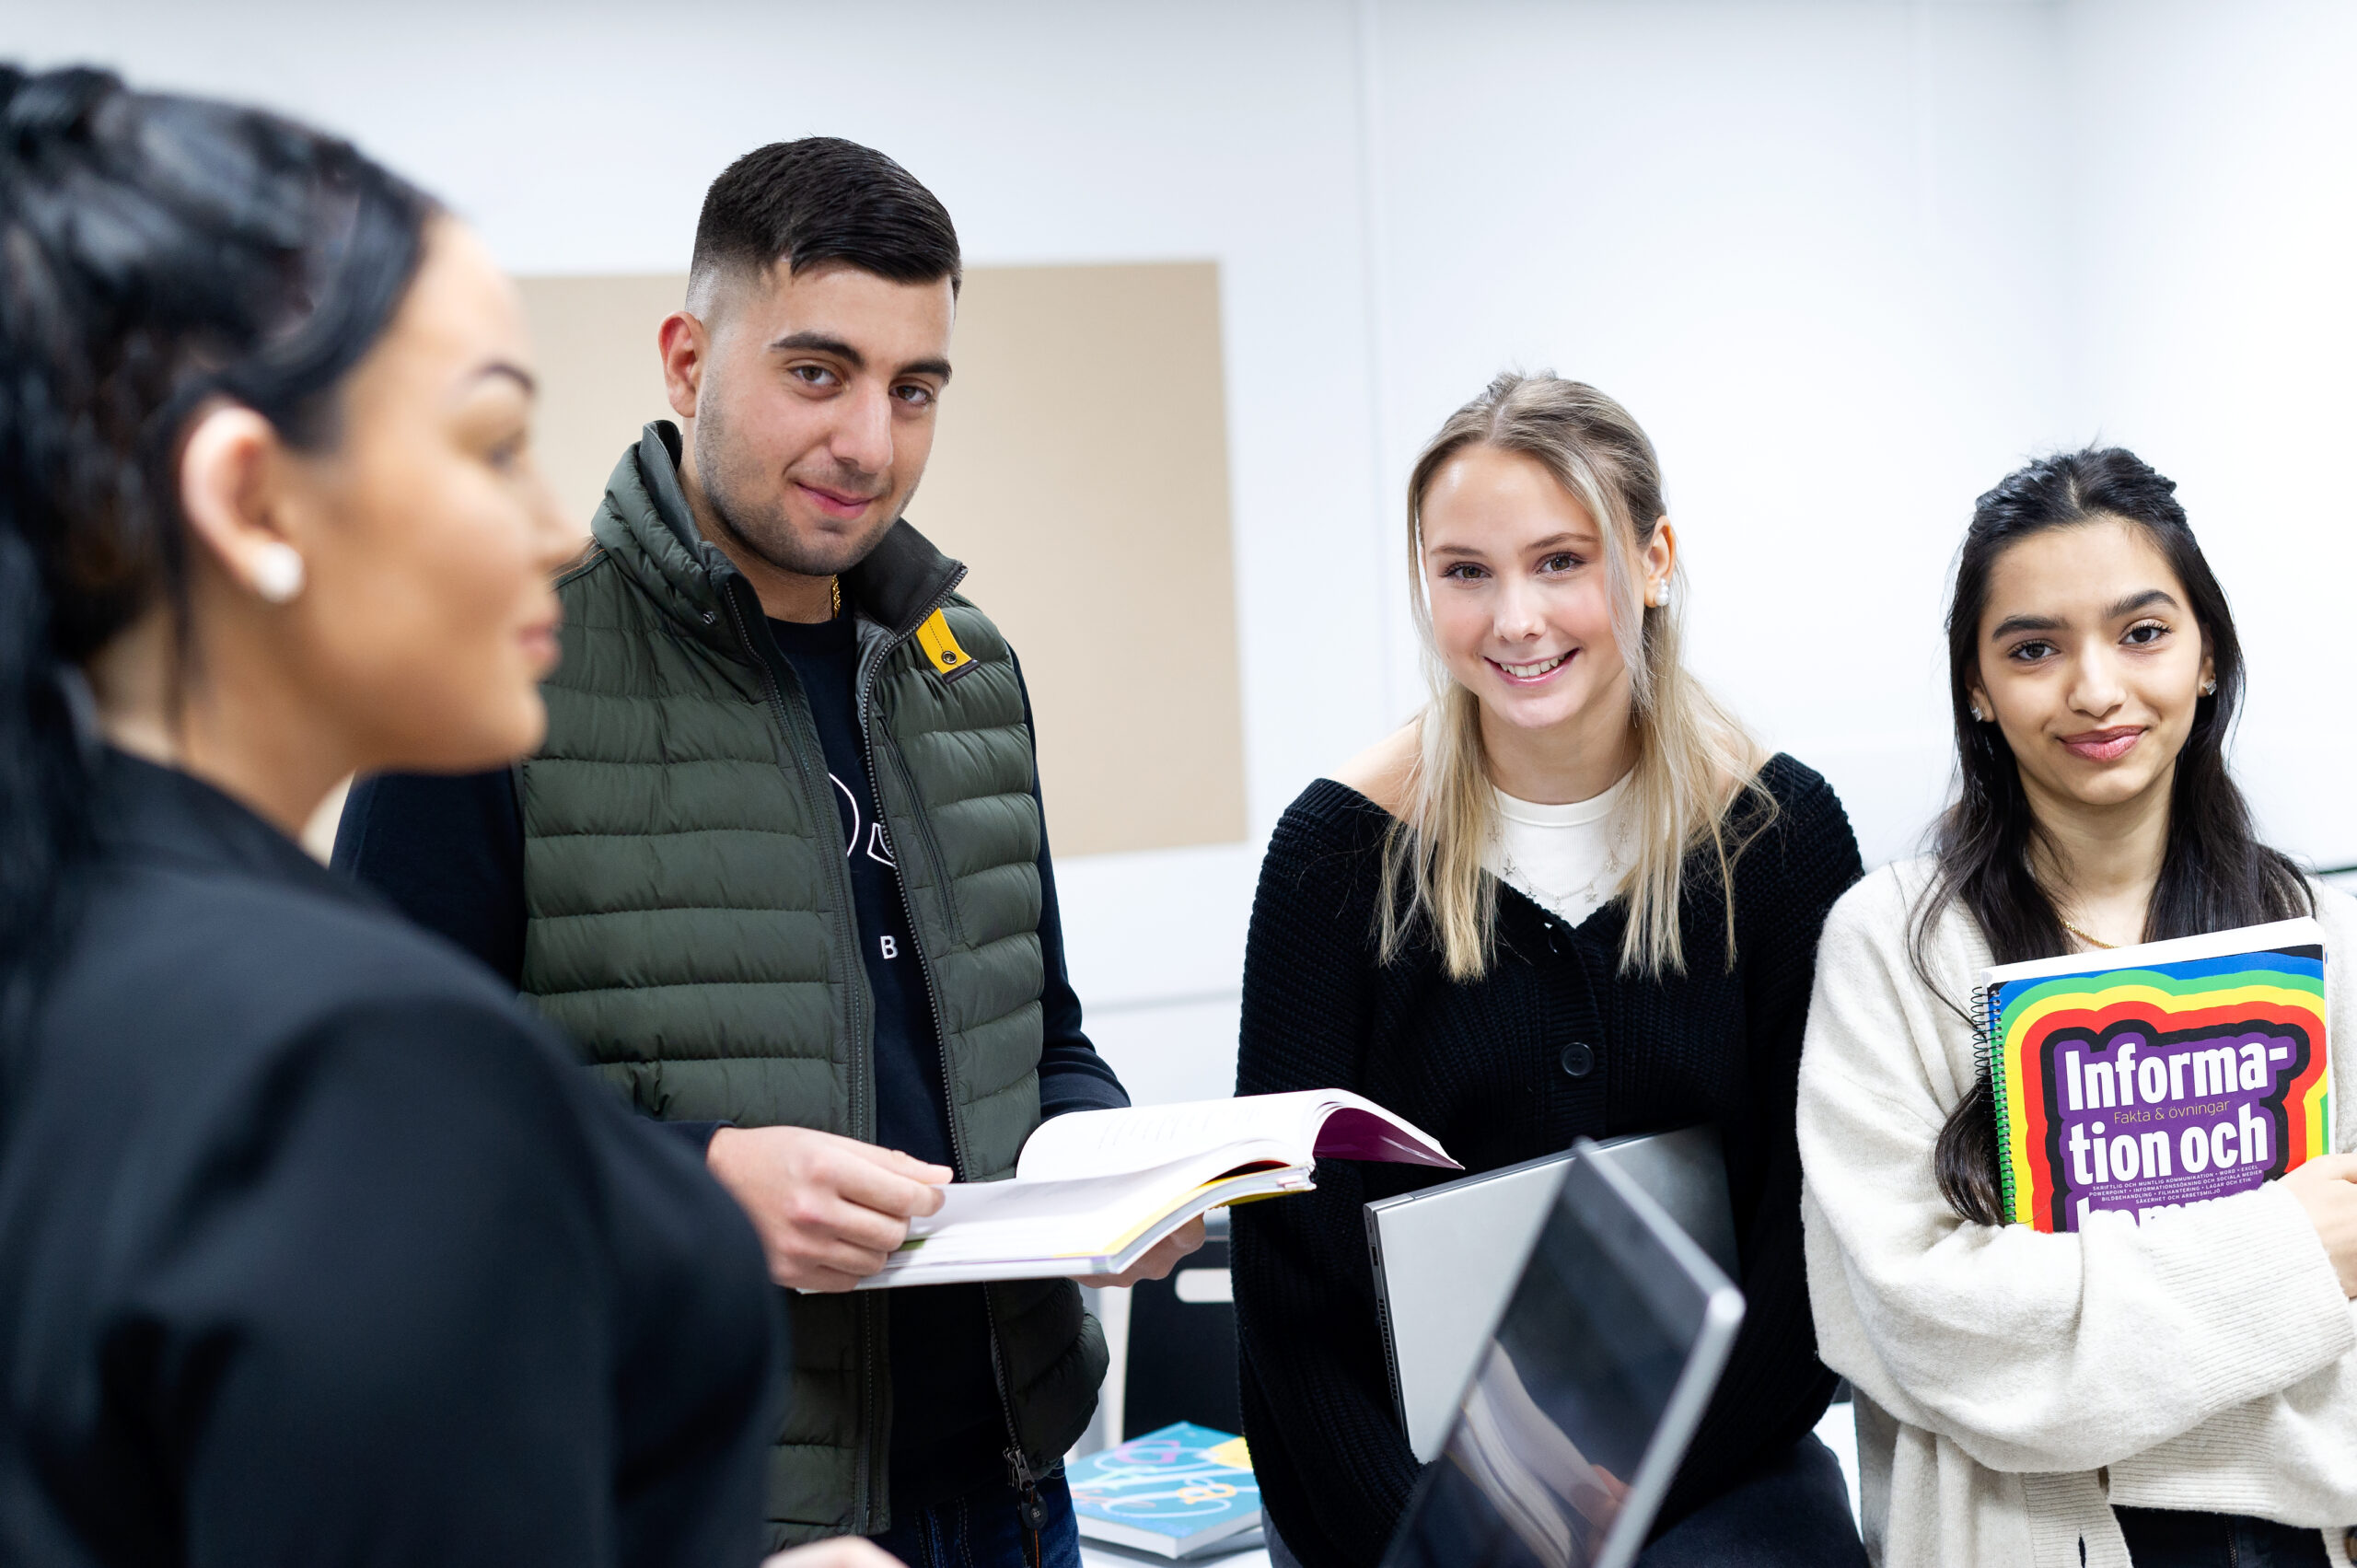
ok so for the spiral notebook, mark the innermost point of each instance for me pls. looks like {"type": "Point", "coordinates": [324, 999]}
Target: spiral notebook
{"type": "Point", "coordinates": [2144, 1078]}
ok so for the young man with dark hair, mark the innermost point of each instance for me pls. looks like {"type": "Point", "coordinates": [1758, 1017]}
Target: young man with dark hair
{"type": "Point", "coordinates": [780, 866]}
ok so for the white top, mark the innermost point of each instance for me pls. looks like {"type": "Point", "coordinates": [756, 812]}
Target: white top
{"type": "Point", "coordinates": [1564, 859]}
{"type": "Point", "coordinates": [2011, 1385]}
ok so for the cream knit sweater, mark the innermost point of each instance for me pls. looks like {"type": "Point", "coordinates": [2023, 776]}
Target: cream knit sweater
{"type": "Point", "coordinates": [2012, 1386]}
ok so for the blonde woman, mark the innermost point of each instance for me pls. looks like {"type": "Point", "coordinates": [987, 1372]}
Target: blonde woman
{"type": "Point", "coordinates": [1572, 897]}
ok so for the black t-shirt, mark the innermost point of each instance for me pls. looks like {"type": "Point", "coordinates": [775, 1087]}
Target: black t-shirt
{"type": "Point", "coordinates": [449, 852]}
{"type": "Point", "coordinates": [911, 1113]}
{"type": "Point", "coordinates": [948, 1429]}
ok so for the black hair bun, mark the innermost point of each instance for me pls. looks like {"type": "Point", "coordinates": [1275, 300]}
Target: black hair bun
{"type": "Point", "coordinates": [53, 105]}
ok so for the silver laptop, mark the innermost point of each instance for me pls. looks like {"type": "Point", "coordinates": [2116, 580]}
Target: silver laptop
{"type": "Point", "coordinates": [1446, 1258]}
{"type": "Point", "coordinates": [1586, 1393]}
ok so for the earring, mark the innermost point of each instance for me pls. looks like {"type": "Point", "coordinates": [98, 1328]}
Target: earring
{"type": "Point", "coordinates": [2209, 687]}
{"type": "Point", "coordinates": [1978, 716]}
{"type": "Point", "coordinates": [278, 573]}
{"type": "Point", "coordinates": [1657, 596]}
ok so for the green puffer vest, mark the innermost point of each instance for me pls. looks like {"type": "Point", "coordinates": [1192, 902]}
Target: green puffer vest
{"type": "Point", "coordinates": [689, 919]}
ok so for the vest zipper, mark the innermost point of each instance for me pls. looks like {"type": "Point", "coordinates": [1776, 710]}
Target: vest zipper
{"type": "Point", "coordinates": [863, 1487]}
{"type": "Point", "coordinates": [1020, 1475]}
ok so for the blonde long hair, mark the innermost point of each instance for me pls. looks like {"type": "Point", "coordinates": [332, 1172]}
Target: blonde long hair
{"type": "Point", "coordinates": [1695, 762]}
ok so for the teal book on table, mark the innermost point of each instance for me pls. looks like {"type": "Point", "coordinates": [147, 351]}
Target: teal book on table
{"type": "Point", "coordinates": [1183, 1491]}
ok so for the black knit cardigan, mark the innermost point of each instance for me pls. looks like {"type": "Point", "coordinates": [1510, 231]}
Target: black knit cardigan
{"type": "Point", "coordinates": [1551, 1043]}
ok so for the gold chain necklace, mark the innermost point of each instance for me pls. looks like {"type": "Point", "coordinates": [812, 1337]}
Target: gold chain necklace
{"type": "Point", "coordinates": [2084, 937]}
{"type": "Point", "coordinates": [834, 596]}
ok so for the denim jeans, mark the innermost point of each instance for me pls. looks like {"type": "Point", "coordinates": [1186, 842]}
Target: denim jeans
{"type": "Point", "coordinates": [982, 1529]}
{"type": "Point", "coordinates": [2166, 1537]}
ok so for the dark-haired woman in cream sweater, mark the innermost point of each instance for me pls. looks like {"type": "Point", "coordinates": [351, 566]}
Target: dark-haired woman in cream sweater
{"type": "Point", "coordinates": [2182, 1392]}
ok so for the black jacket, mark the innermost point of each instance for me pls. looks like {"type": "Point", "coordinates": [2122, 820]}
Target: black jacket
{"type": "Point", "coordinates": [1553, 1043]}
{"type": "Point", "coordinates": [319, 1249]}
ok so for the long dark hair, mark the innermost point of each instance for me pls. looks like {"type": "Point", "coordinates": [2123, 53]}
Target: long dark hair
{"type": "Point", "coordinates": [2215, 872]}
{"type": "Point", "coordinates": [156, 253]}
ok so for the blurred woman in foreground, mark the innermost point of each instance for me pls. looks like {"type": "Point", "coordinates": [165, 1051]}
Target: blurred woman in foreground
{"type": "Point", "coordinates": [319, 1248]}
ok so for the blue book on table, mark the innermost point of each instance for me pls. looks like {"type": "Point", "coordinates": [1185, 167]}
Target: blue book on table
{"type": "Point", "coordinates": [1184, 1491]}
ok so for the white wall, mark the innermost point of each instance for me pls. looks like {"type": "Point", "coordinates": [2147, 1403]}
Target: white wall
{"type": "Point", "coordinates": [1849, 260]}
{"type": "Point", "coordinates": [2213, 191]}
{"type": "Point", "coordinates": [1808, 245]}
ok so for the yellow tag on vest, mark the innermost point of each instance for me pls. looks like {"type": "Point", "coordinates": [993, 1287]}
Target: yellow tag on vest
{"type": "Point", "coordinates": [940, 646]}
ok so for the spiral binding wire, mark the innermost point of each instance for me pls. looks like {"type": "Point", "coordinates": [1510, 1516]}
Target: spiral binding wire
{"type": "Point", "coordinates": [1984, 1062]}
{"type": "Point", "coordinates": [1983, 1026]}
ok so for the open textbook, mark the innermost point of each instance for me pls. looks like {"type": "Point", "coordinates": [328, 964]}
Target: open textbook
{"type": "Point", "coordinates": [1093, 1191]}
{"type": "Point", "coordinates": [2168, 1072]}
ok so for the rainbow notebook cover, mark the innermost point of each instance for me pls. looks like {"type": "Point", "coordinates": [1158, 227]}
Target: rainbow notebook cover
{"type": "Point", "coordinates": [2178, 1071]}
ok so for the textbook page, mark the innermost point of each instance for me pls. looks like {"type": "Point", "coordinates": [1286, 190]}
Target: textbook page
{"type": "Point", "coordinates": [1094, 1189]}
{"type": "Point", "coordinates": [1289, 1129]}
{"type": "Point", "coordinates": [1014, 1230]}
{"type": "Point", "coordinates": [1076, 1216]}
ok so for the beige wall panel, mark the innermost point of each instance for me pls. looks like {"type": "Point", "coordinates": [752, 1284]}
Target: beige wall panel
{"type": "Point", "coordinates": [1080, 471]}
{"type": "Point", "coordinates": [601, 379]}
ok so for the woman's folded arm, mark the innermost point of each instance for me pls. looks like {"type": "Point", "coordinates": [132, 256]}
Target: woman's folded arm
{"type": "Point", "coordinates": [2030, 1352]}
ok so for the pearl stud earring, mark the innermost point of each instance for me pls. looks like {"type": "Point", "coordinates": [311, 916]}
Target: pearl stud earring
{"type": "Point", "coordinates": [278, 573]}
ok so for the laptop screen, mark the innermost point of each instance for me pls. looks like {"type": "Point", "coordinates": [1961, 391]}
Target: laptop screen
{"type": "Point", "coordinates": [1586, 1395]}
